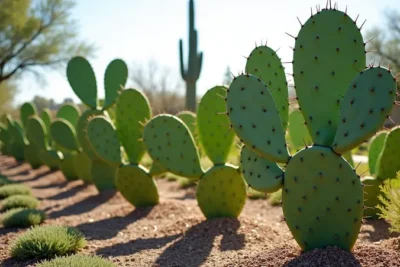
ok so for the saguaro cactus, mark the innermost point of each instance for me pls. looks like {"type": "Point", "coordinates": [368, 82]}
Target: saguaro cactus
{"type": "Point", "coordinates": [192, 73]}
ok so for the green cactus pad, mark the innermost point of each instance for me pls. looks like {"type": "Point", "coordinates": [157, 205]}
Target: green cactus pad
{"type": "Point", "coordinates": [388, 161]}
{"type": "Point", "coordinates": [67, 166]}
{"type": "Point", "coordinates": [221, 192]}
{"type": "Point", "coordinates": [156, 169]}
{"type": "Point", "coordinates": [322, 199]}
{"type": "Point", "coordinates": [371, 192]}
{"type": "Point", "coordinates": [189, 118]}
{"type": "Point", "coordinates": [260, 174]}
{"type": "Point", "coordinates": [169, 142]}
{"type": "Point", "coordinates": [104, 141]}
{"type": "Point", "coordinates": [81, 130]}
{"type": "Point", "coordinates": [137, 186]}
{"type": "Point", "coordinates": [349, 157]}
{"type": "Point", "coordinates": [83, 167]}
{"type": "Point", "coordinates": [298, 131]}
{"type": "Point", "coordinates": [115, 78]}
{"type": "Point", "coordinates": [69, 112]}
{"type": "Point", "coordinates": [132, 111]}
{"type": "Point", "coordinates": [64, 134]}
{"type": "Point", "coordinates": [31, 155]}
{"type": "Point", "coordinates": [255, 119]}
{"type": "Point", "coordinates": [103, 175]}
{"type": "Point", "coordinates": [328, 52]}
{"type": "Point", "coordinates": [46, 117]}
{"type": "Point", "coordinates": [27, 110]}
{"type": "Point", "coordinates": [37, 132]}
{"type": "Point", "coordinates": [213, 125]}
{"type": "Point", "coordinates": [376, 145]}
{"type": "Point", "coordinates": [365, 107]}
{"type": "Point", "coordinates": [51, 158]}
{"type": "Point", "coordinates": [263, 62]}
{"type": "Point", "coordinates": [82, 80]}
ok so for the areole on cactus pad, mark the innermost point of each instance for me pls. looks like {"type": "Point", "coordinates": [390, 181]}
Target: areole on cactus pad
{"type": "Point", "coordinates": [343, 104]}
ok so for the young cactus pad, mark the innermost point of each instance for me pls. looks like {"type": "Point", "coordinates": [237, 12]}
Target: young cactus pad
{"type": "Point", "coordinates": [376, 145]}
{"type": "Point", "coordinates": [221, 190]}
{"type": "Point", "coordinates": [388, 162]}
{"type": "Point", "coordinates": [132, 181]}
{"type": "Point", "coordinates": [27, 110]}
{"type": "Point", "coordinates": [322, 195]}
{"type": "Point", "coordinates": [263, 62]}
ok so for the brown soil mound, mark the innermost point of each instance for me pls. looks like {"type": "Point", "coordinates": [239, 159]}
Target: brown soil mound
{"type": "Point", "coordinates": [175, 233]}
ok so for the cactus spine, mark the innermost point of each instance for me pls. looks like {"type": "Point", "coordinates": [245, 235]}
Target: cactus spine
{"type": "Point", "coordinates": [192, 73]}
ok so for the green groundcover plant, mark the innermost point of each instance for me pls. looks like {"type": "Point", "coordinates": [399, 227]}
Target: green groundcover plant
{"type": "Point", "coordinates": [77, 261]}
{"type": "Point", "coordinates": [19, 201]}
{"type": "Point", "coordinates": [390, 207]}
{"type": "Point", "coordinates": [22, 217]}
{"type": "Point", "coordinates": [14, 189]}
{"type": "Point", "coordinates": [47, 241]}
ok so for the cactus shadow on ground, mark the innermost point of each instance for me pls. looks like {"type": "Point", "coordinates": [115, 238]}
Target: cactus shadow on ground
{"type": "Point", "coordinates": [110, 227]}
{"type": "Point", "coordinates": [60, 184]}
{"type": "Point", "coordinates": [68, 193]}
{"type": "Point", "coordinates": [86, 205]}
{"type": "Point", "coordinates": [376, 230]}
{"type": "Point", "coordinates": [197, 242]}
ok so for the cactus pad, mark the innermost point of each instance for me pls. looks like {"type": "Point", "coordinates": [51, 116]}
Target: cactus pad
{"type": "Point", "coordinates": [82, 80]}
{"type": "Point", "coordinates": [83, 167]}
{"type": "Point", "coordinates": [365, 107]}
{"type": "Point", "coordinates": [132, 111]}
{"type": "Point", "coordinates": [170, 143]}
{"type": "Point", "coordinates": [81, 131]}
{"type": "Point", "coordinates": [221, 192]}
{"type": "Point", "coordinates": [31, 155]}
{"type": "Point", "coordinates": [67, 166]}
{"type": "Point", "coordinates": [63, 133]}
{"type": "Point", "coordinates": [263, 62]}
{"type": "Point", "coordinates": [371, 200]}
{"type": "Point", "coordinates": [37, 132]}
{"type": "Point", "coordinates": [137, 186]}
{"type": "Point", "coordinates": [322, 199]}
{"type": "Point", "coordinates": [46, 117]}
{"type": "Point", "coordinates": [260, 174]}
{"type": "Point", "coordinates": [328, 52]}
{"type": "Point", "coordinates": [213, 127]}
{"type": "Point", "coordinates": [104, 141]}
{"type": "Point", "coordinates": [103, 175]}
{"type": "Point", "coordinates": [114, 78]}
{"type": "Point", "coordinates": [51, 158]}
{"type": "Point", "coordinates": [27, 110]}
{"type": "Point", "coordinates": [388, 161]}
{"type": "Point", "coordinates": [255, 119]}
{"type": "Point", "coordinates": [298, 131]}
{"type": "Point", "coordinates": [70, 113]}
{"type": "Point", "coordinates": [375, 148]}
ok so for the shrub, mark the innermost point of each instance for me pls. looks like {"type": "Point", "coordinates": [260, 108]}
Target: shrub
{"type": "Point", "coordinates": [47, 241]}
{"type": "Point", "coordinates": [77, 261]}
{"type": "Point", "coordinates": [390, 207]}
{"type": "Point", "coordinates": [14, 189]}
{"type": "Point", "coordinates": [19, 201]}
{"type": "Point", "coordinates": [22, 217]}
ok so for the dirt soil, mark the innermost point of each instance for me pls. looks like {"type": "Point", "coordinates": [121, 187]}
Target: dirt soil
{"type": "Point", "coordinates": [175, 233]}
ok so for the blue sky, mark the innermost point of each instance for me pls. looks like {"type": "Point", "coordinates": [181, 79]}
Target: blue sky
{"type": "Point", "coordinates": [142, 30]}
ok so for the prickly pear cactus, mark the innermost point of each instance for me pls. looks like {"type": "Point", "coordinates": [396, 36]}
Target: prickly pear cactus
{"type": "Point", "coordinates": [322, 195]}
{"type": "Point", "coordinates": [69, 112]}
{"type": "Point", "coordinates": [298, 132]}
{"type": "Point", "coordinates": [383, 152]}
{"type": "Point", "coordinates": [221, 190]}
{"type": "Point", "coordinates": [82, 80]}
{"type": "Point", "coordinates": [27, 110]}
{"type": "Point", "coordinates": [132, 180]}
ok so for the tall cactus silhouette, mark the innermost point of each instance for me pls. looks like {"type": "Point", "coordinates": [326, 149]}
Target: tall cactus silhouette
{"type": "Point", "coordinates": [192, 73]}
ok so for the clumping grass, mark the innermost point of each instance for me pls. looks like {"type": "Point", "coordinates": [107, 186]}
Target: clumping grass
{"type": "Point", "coordinates": [22, 217]}
{"type": "Point", "coordinates": [14, 189]}
{"type": "Point", "coordinates": [19, 201]}
{"type": "Point", "coordinates": [390, 208]}
{"type": "Point", "coordinates": [77, 261]}
{"type": "Point", "coordinates": [47, 241]}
